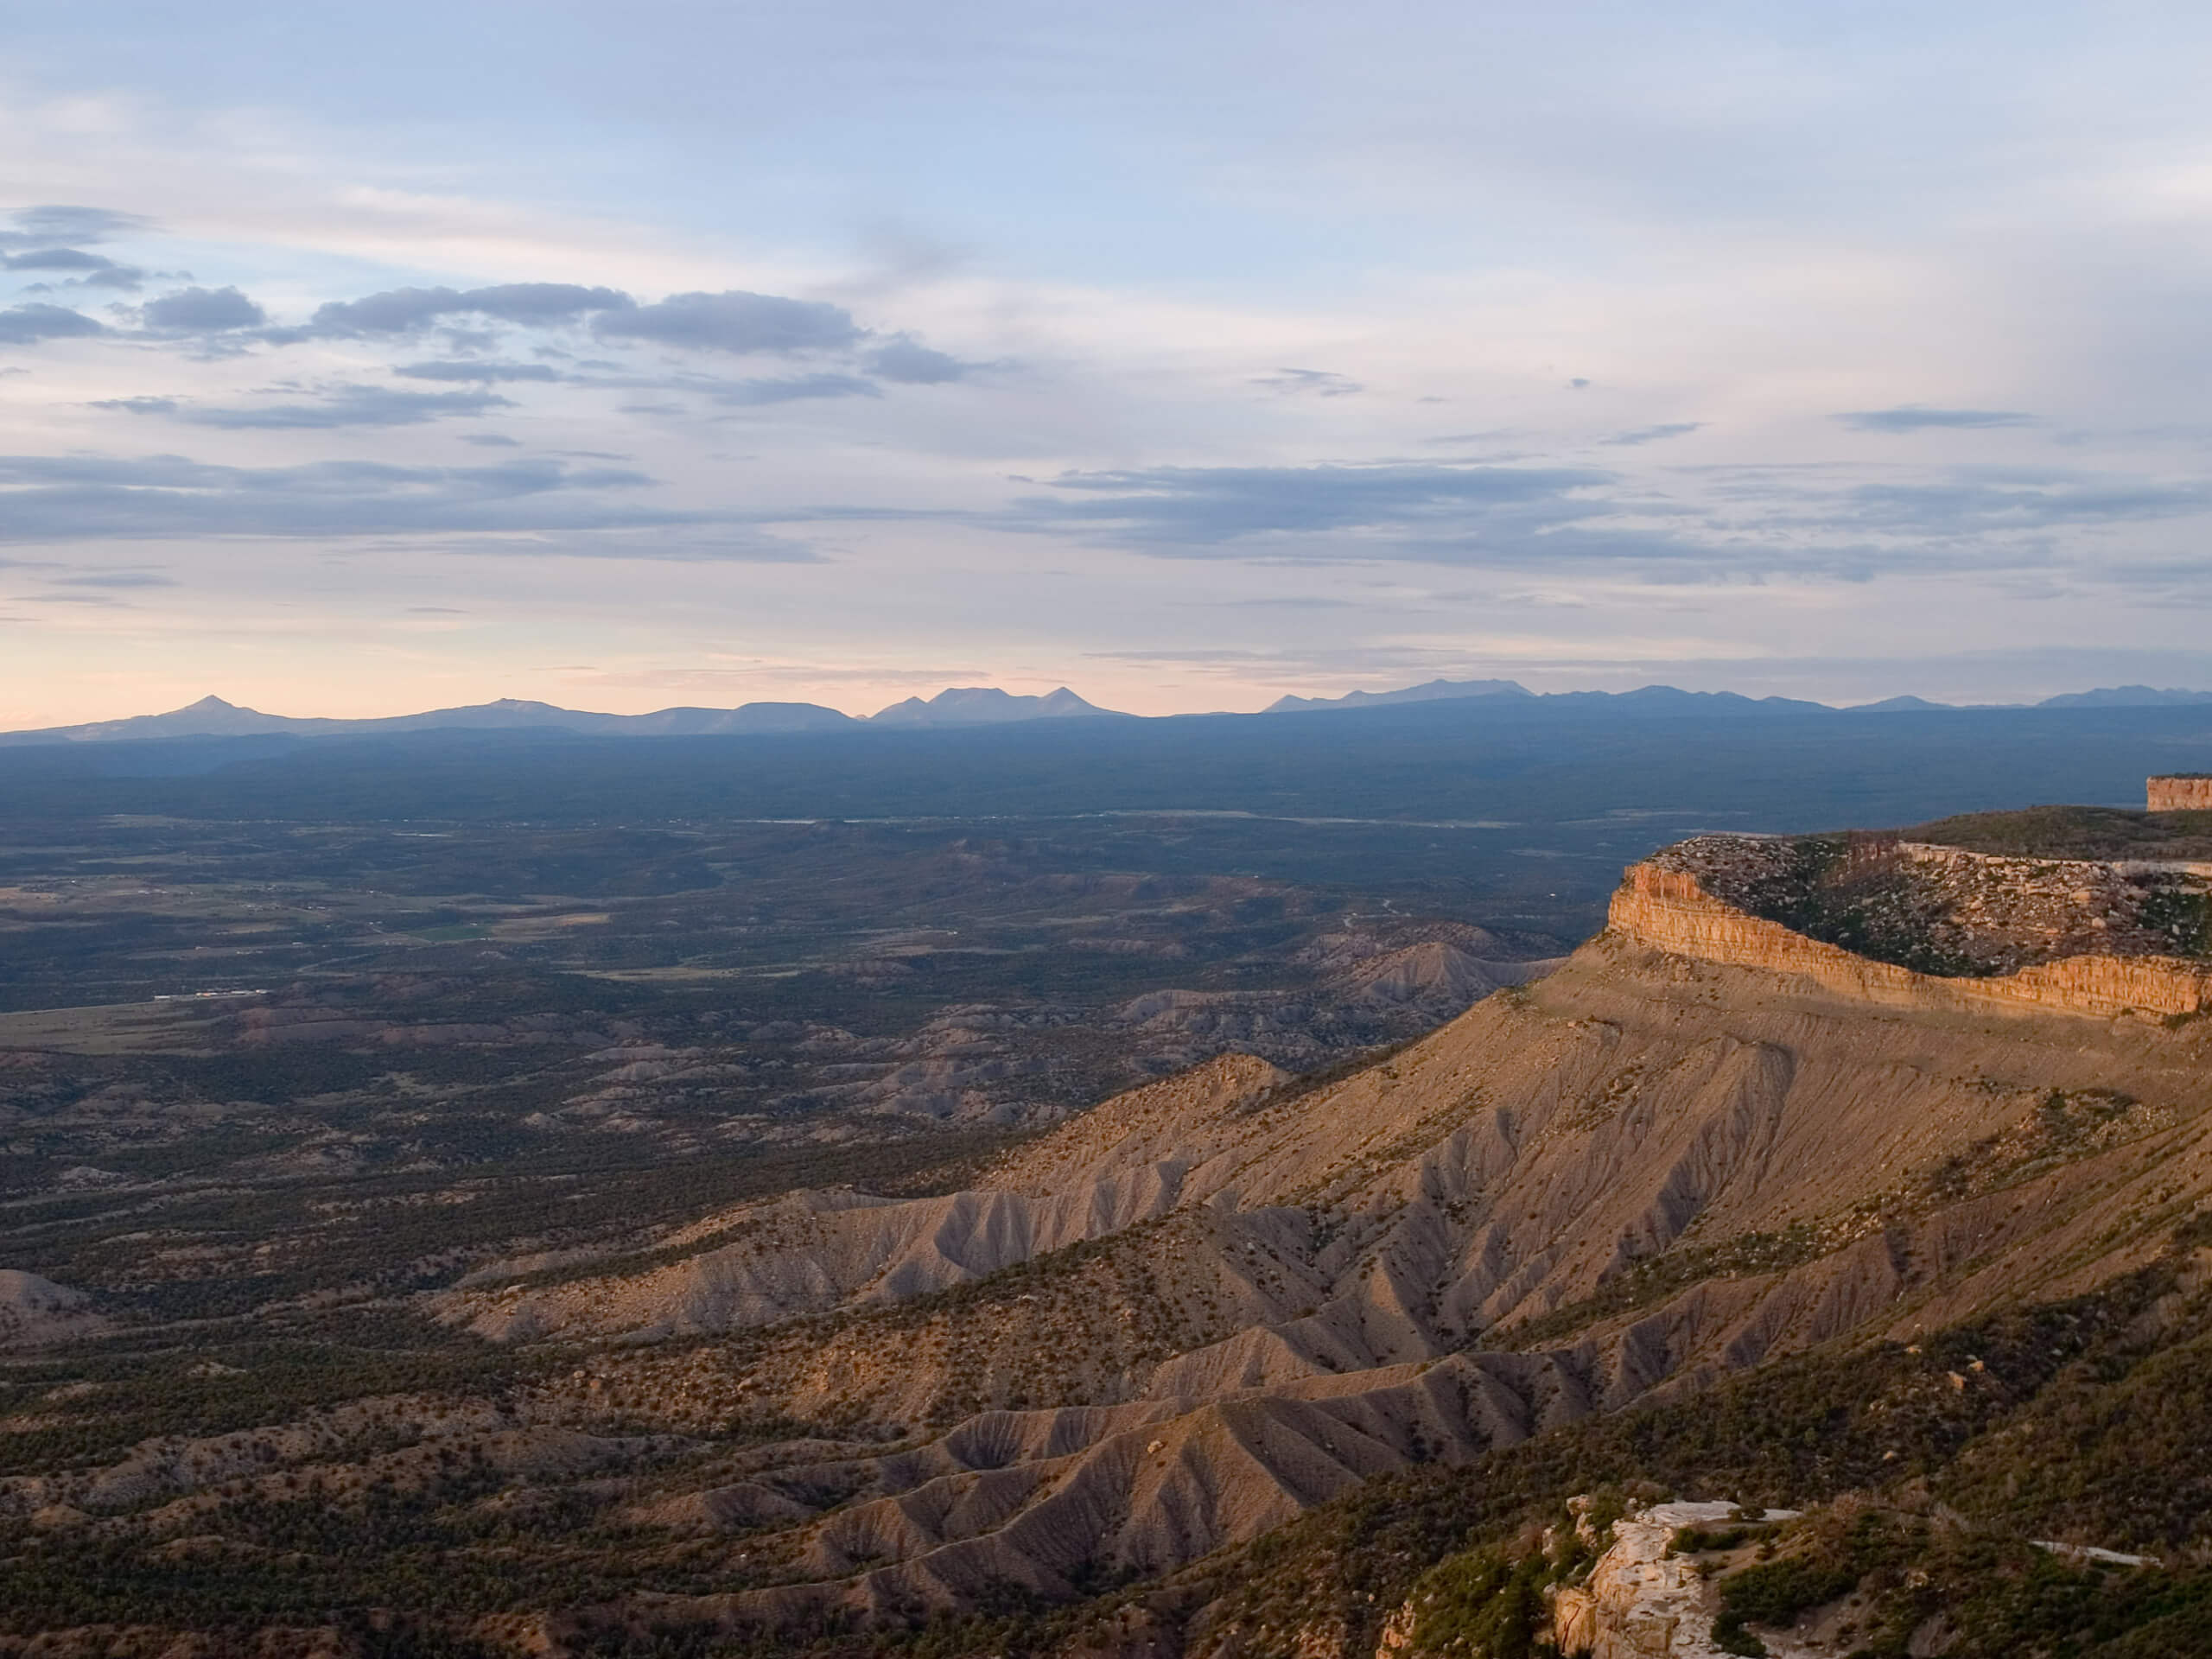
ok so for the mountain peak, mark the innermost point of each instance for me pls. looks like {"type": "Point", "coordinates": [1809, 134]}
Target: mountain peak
{"type": "Point", "coordinates": [1431, 691]}
{"type": "Point", "coordinates": [986, 705]}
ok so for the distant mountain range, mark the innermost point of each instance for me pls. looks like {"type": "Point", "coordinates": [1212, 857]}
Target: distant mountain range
{"type": "Point", "coordinates": [2116, 696]}
{"type": "Point", "coordinates": [2126, 697]}
{"type": "Point", "coordinates": [1434, 692]}
{"type": "Point", "coordinates": [986, 705]}
{"type": "Point", "coordinates": [971, 706]}
{"type": "Point", "coordinates": [212, 717]}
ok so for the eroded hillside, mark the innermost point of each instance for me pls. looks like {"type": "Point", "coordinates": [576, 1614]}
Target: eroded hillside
{"type": "Point", "coordinates": [1176, 1322]}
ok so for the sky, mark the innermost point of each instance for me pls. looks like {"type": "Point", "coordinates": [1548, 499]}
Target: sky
{"type": "Point", "coordinates": [354, 364]}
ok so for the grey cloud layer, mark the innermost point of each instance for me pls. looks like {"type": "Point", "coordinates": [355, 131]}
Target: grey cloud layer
{"type": "Point", "coordinates": [44, 227]}
{"type": "Point", "coordinates": [56, 259]}
{"type": "Point", "coordinates": [204, 311]}
{"type": "Point", "coordinates": [744, 394]}
{"type": "Point", "coordinates": [343, 405]}
{"type": "Point", "coordinates": [907, 360]}
{"type": "Point", "coordinates": [483, 370]}
{"type": "Point", "coordinates": [403, 310]}
{"type": "Point", "coordinates": [46, 238]}
{"type": "Point", "coordinates": [63, 498]}
{"type": "Point", "coordinates": [26, 324]}
{"type": "Point", "coordinates": [735, 322]}
{"type": "Point", "coordinates": [1803, 522]}
{"type": "Point", "coordinates": [1643, 435]}
{"type": "Point", "coordinates": [1917, 417]}
{"type": "Point", "coordinates": [1212, 506]}
{"type": "Point", "coordinates": [522, 507]}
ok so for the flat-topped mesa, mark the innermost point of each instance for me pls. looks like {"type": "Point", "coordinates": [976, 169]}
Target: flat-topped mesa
{"type": "Point", "coordinates": [2182, 791]}
{"type": "Point", "coordinates": [1891, 921]}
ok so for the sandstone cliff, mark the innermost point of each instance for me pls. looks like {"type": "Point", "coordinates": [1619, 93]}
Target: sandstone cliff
{"type": "Point", "coordinates": [2186, 792]}
{"type": "Point", "coordinates": [1671, 910]}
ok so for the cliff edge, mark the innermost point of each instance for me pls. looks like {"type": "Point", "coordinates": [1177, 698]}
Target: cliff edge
{"type": "Point", "coordinates": [1669, 906]}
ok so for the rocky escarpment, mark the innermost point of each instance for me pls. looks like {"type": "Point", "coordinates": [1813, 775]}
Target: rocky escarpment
{"type": "Point", "coordinates": [2182, 791]}
{"type": "Point", "coordinates": [1669, 904]}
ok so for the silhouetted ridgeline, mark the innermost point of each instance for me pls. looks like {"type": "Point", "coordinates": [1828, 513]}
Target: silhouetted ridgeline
{"type": "Point", "coordinates": [1719, 764]}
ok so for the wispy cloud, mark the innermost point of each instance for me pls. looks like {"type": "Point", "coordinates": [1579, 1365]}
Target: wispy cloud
{"type": "Point", "coordinates": [60, 499]}
{"type": "Point", "coordinates": [1643, 435]}
{"type": "Point", "coordinates": [46, 226]}
{"type": "Point", "coordinates": [1918, 417]}
{"type": "Point", "coordinates": [340, 406]}
{"type": "Point", "coordinates": [477, 369]}
{"type": "Point", "coordinates": [1314, 383]}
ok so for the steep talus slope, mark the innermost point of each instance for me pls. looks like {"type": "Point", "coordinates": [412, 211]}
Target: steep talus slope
{"type": "Point", "coordinates": [1641, 1172]}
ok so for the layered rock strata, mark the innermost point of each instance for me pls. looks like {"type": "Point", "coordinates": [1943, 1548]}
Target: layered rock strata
{"type": "Point", "coordinates": [2182, 791]}
{"type": "Point", "coordinates": [1671, 910]}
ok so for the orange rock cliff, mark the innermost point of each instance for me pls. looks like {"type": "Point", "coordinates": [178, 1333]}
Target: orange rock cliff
{"type": "Point", "coordinates": [1671, 910]}
{"type": "Point", "coordinates": [2182, 791]}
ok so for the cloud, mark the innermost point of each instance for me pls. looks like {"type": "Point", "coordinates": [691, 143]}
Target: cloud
{"type": "Point", "coordinates": [116, 579]}
{"type": "Point", "coordinates": [749, 393]}
{"type": "Point", "coordinates": [43, 227]}
{"type": "Point", "coordinates": [735, 321]}
{"type": "Point", "coordinates": [403, 310]}
{"type": "Point", "coordinates": [484, 370]}
{"type": "Point", "coordinates": [203, 310]}
{"type": "Point", "coordinates": [907, 360]}
{"type": "Point", "coordinates": [490, 441]}
{"type": "Point", "coordinates": [26, 324]}
{"type": "Point", "coordinates": [1654, 434]}
{"type": "Point", "coordinates": [1918, 417]}
{"type": "Point", "coordinates": [1210, 506]}
{"type": "Point", "coordinates": [1995, 499]}
{"type": "Point", "coordinates": [125, 279]}
{"type": "Point", "coordinates": [1319, 382]}
{"type": "Point", "coordinates": [344, 405]}
{"type": "Point", "coordinates": [58, 499]}
{"type": "Point", "coordinates": [673, 545]}
{"type": "Point", "coordinates": [57, 259]}
{"type": "Point", "coordinates": [1472, 515]}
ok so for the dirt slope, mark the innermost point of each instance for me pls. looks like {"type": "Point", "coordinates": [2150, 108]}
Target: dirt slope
{"type": "Point", "coordinates": [1210, 1303]}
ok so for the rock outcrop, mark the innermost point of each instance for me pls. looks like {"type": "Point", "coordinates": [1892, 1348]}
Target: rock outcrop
{"type": "Point", "coordinates": [1672, 910]}
{"type": "Point", "coordinates": [1644, 1601]}
{"type": "Point", "coordinates": [2182, 791]}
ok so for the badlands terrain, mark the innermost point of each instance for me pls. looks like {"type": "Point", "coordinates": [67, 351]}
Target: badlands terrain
{"type": "Point", "coordinates": [1395, 1353]}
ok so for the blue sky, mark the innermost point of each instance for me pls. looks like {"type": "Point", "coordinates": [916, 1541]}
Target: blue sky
{"type": "Point", "coordinates": [351, 364]}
